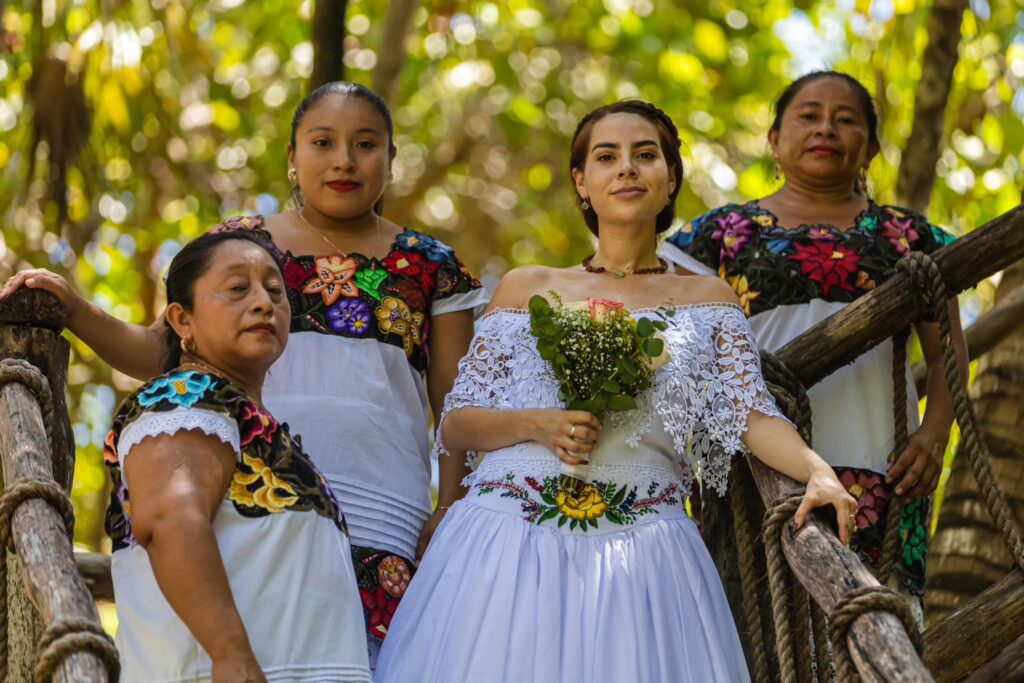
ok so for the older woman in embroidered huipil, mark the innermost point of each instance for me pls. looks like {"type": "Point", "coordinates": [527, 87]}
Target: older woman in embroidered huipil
{"type": "Point", "coordinates": [230, 557]}
{"type": "Point", "coordinates": [796, 257]}
{"type": "Point", "coordinates": [528, 581]}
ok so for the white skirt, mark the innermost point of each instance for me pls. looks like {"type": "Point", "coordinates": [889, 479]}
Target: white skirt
{"type": "Point", "coordinates": [498, 599]}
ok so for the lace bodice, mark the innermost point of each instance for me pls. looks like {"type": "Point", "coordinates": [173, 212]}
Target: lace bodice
{"type": "Point", "coordinates": [700, 399]}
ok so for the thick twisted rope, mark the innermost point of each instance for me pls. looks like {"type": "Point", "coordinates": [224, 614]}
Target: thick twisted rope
{"type": "Point", "coordinates": [746, 539]}
{"type": "Point", "coordinates": [66, 636]}
{"type": "Point", "coordinates": [779, 579]}
{"type": "Point", "coordinates": [927, 278]}
{"type": "Point", "coordinates": [890, 544]}
{"type": "Point", "coordinates": [856, 603]}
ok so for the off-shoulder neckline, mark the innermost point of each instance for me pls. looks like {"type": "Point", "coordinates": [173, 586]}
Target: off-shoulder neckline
{"type": "Point", "coordinates": [645, 309]}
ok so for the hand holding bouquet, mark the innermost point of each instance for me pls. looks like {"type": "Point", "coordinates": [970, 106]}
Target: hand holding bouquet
{"type": "Point", "coordinates": [601, 356]}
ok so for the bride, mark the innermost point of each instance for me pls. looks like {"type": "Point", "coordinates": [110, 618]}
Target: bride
{"type": "Point", "coordinates": [514, 588]}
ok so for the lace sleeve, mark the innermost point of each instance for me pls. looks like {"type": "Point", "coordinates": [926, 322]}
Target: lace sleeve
{"type": "Point", "coordinates": [153, 423]}
{"type": "Point", "coordinates": [484, 373]}
{"type": "Point", "coordinates": [732, 387]}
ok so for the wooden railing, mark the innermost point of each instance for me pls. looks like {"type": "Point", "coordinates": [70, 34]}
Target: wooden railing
{"type": "Point", "coordinates": [48, 604]}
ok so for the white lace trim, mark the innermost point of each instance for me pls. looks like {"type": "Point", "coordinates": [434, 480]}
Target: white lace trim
{"type": "Point", "coordinates": [703, 395]}
{"type": "Point", "coordinates": [179, 419]}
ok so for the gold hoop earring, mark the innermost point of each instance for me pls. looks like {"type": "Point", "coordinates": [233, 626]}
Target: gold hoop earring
{"type": "Point", "coordinates": [585, 205]}
{"type": "Point", "coordinates": [293, 175]}
{"type": "Point", "coordinates": [862, 182]}
{"type": "Point", "coordinates": [187, 346]}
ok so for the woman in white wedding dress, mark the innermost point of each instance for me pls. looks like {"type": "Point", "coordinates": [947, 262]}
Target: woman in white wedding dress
{"type": "Point", "coordinates": [526, 582]}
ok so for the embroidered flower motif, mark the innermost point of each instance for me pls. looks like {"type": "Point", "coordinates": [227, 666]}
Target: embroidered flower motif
{"type": "Point", "coordinates": [828, 263]}
{"type": "Point", "coordinates": [868, 222]}
{"type": "Point", "coordinates": [778, 246]}
{"type": "Point", "coordinates": [295, 276]}
{"type": "Point", "coordinates": [369, 280]}
{"type": "Point", "coordinates": [109, 448]}
{"type": "Point", "coordinates": [182, 388]}
{"type": "Point", "coordinates": [394, 317]}
{"type": "Point", "coordinates": [865, 282]}
{"type": "Point", "coordinates": [685, 236]}
{"type": "Point", "coordinates": [394, 575]}
{"type": "Point", "coordinates": [351, 317]}
{"type": "Point", "coordinates": [819, 232]}
{"type": "Point", "coordinates": [899, 231]}
{"type": "Point", "coordinates": [379, 608]}
{"type": "Point", "coordinates": [272, 494]}
{"type": "Point", "coordinates": [414, 266]}
{"type": "Point", "coordinates": [257, 424]}
{"type": "Point", "coordinates": [763, 219]}
{"type": "Point", "coordinates": [733, 232]}
{"type": "Point", "coordinates": [871, 493]}
{"type": "Point", "coordinates": [334, 278]}
{"type": "Point", "coordinates": [431, 248]}
{"type": "Point", "coordinates": [741, 287]}
{"type": "Point", "coordinates": [586, 506]}
{"type": "Point", "coordinates": [941, 236]}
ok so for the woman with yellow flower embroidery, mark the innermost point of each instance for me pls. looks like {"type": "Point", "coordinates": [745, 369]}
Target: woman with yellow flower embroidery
{"type": "Point", "coordinates": [380, 317]}
{"type": "Point", "coordinates": [231, 559]}
{"type": "Point", "coordinates": [805, 252]}
{"type": "Point", "coordinates": [527, 581]}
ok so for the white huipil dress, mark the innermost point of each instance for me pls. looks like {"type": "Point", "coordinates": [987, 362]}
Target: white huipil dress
{"type": "Point", "coordinates": [522, 583]}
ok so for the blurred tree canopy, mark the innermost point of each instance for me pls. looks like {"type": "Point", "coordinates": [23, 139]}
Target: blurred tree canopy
{"type": "Point", "coordinates": [127, 128]}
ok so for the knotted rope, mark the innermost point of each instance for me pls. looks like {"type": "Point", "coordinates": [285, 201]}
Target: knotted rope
{"type": "Point", "coordinates": [63, 637]}
{"type": "Point", "coordinates": [856, 603]}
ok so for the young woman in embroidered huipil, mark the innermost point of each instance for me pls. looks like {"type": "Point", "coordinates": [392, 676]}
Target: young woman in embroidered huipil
{"type": "Point", "coordinates": [798, 256]}
{"type": "Point", "coordinates": [230, 552]}
{"type": "Point", "coordinates": [380, 317]}
{"type": "Point", "coordinates": [515, 586]}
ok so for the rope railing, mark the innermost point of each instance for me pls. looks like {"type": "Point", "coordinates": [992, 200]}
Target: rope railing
{"type": "Point", "coordinates": [36, 528]}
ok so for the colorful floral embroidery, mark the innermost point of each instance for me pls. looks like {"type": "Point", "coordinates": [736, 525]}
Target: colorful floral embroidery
{"type": "Point", "coordinates": [382, 578]}
{"type": "Point", "coordinates": [271, 476]}
{"type": "Point", "coordinates": [350, 317]}
{"type": "Point", "coordinates": [873, 496]}
{"type": "Point", "coordinates": [334, 278]}
{"type": "Point", "coordinates": [784, 266]}
{"type": "Point", "coordinates": [339, 295]}
{"type": "Point", "coordinates": [545, 500]}
{"type": "Point", "coordinates": [394, 317]}
{"type": "Point", "coordinates": [183, 388]}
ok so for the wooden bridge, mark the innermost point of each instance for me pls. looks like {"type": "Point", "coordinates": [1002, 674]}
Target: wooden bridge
{"type": "Point", "coordinates": [53, 630]}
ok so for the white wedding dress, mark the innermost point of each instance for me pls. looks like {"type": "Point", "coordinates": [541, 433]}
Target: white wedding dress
{"type": "Point", "coordinates": [523, 583]}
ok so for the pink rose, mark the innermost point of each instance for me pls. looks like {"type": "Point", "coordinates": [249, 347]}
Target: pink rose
{"type": "Point", "coordinates": [601, 308]}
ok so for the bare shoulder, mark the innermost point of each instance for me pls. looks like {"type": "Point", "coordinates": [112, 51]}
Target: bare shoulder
{"type": "Point", "coordinates": [705, 289]}
{"type": "Point", "coordinates": [519, 284]}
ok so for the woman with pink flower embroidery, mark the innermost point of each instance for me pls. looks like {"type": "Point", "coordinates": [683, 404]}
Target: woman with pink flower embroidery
{"type": "Point", "coordinates": [381, 315]}
{"type": "Point", "coordinates": [799, 255]}
{"type": "Point", "coordinates": [230, 554]}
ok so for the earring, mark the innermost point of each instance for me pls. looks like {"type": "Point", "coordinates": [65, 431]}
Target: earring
{"type": "Point", "coordinates": [188, 346]}
{"type": "Point", "coordinates": [585, 205]}
{"type": "Point", "coordinates": [668, 201]}
{"type": "Point", "coordinates": [293, 175]}
{"type": "Point", "coordinates": [778, 173]}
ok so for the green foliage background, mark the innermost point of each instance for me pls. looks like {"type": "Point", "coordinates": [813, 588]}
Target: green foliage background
{"type": "Point", "coordinates": [189, 103]}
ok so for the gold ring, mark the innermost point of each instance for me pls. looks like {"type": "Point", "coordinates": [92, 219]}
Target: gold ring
{"type": "Point", "coordinates": [572, 434]}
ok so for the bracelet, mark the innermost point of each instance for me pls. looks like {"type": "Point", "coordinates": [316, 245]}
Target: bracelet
{"type": "Point", "coordinates": [442, 507]}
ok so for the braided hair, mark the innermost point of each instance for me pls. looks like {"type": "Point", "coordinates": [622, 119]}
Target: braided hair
{"type": "Point", "coordinates": [668, 138]}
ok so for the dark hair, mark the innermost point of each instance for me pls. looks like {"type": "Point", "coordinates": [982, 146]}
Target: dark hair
{"type": "Point", "coordinates": [867, 102]}
{"type": "Point", "coordinates": [345, 89]}
{"type": "Point", "coordinates": [188, 266]}
{"type": "Point", "coordinates": [668, 137]}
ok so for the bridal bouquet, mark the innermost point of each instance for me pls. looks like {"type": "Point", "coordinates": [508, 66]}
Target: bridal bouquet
{"type": "Point", "coordinates": [601, 356]}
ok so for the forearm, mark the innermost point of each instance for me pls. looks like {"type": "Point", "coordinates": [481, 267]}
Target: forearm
{"type": "Point", "coordinates": [777, 444]}
{"type": "Point", "coordinates": [188, 568]}
{"type": "Point", "coordinates": [487, 429]}
{"type": "Point", "coordinates": [135, 350]}
{"type": "Point", "coordinates": [452, 469]}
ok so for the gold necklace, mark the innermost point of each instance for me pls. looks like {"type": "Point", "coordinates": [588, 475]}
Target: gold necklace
{"type": "Point", "coordinates": [376, 234]}
{"type": "Point", "coordinates": [206, 368]}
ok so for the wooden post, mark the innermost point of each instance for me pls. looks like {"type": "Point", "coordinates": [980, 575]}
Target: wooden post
{"type": "Point", "coordinates": [879, 645]}
{"type": "Point", "coordinates": [42, 581]}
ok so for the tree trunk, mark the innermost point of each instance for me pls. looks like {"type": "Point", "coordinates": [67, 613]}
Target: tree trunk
{"type": "Point", "coordinates": [967, 554]}
{"type": "Point", "coordinates": [391, 55]}
{"type": "Point", "coordinates": [328, 42]}
{"type": "Point", "coordinates": [917, 168]}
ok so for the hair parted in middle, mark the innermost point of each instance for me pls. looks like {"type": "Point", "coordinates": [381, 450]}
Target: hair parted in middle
{"type": "Point", "coordinates": [668, 139]}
